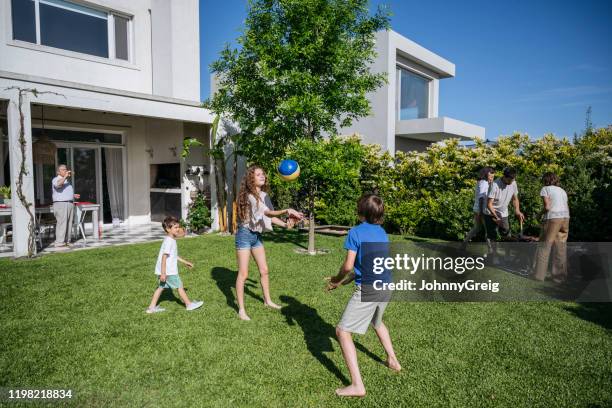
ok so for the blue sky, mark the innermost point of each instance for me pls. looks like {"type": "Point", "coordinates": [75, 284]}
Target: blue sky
{"type": "Point", "coordinates": [530, 66]}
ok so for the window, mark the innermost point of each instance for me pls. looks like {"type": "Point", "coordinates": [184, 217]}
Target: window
{"type": "Point", "coordinates": [413, 98]}
{"type": "Point", "coordinates": [24, 20]}
{"type": "Point", "coordinates": [71, 26]}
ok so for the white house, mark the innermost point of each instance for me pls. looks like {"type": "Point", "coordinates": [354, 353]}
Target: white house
{"type": "Point", "coordinates": [405, 110]}
{"type": "Point", "coordinates": [118, 87]}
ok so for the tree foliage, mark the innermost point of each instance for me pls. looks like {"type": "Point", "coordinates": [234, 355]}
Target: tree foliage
{"type": "Point", "coordinates": [302, 70]}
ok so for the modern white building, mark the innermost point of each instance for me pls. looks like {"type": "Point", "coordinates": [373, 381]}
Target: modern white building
{"type": "Point", "coordinates": [118, 90]}
{"type": "Point", "coordinates": [405, 110]}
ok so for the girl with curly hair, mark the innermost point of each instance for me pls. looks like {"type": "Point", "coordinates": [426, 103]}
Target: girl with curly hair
{"type": "Point", "coordinates": [256, 215]}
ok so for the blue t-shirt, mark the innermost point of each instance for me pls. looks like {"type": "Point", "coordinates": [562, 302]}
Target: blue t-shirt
{"type": "Point", "coordinates": [363, 232]}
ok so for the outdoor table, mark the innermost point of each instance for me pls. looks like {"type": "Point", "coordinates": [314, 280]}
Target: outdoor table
{"type": "Point", "coordinates": [82, 208]}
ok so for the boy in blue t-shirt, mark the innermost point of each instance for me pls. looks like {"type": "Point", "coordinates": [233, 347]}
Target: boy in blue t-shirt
{"type": "Point", "coordinates": [359, 315]}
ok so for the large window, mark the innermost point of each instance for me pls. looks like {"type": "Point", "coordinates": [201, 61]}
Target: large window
{"type": "Point", "coordinates": [413, 98]}
{"type": "Point", "coordinates": [71, 26]}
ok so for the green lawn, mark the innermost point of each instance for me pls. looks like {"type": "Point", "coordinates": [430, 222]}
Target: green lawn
{"type": "Point", "coordinates": [76, 320]}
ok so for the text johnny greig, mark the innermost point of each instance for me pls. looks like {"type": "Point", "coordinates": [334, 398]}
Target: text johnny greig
{"type": "Point", "coordinates": [412, 264]}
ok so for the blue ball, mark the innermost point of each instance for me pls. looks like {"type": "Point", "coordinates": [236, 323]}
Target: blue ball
{"type": "Point", "coordinates": [289, 170]}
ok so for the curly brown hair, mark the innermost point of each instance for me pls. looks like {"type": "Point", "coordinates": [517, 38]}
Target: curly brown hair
{"type": "Point", "coordinates": [248, 187]}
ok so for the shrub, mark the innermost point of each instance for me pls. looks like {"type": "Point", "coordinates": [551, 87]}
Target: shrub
{"type": "Point", "coordinates": [198, 216]}
{"type": "Point", "coordinates": [430, 193]}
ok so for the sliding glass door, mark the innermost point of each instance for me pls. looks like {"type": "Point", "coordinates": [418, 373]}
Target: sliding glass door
{"type": "Point", "coordinates": [85, 170]}
{"type": "Point", "coordinates": [84, 164]}
{"type": "Point", "coordinates": [97, 164]}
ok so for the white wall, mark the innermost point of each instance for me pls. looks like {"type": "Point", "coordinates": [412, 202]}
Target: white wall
{"type": "Point", "coordinates": [176, 48]}
{"type": "Point", "coordinates": [176, 71]}
{"type": "Point", "coordinates": [376, 127]}
{"type": "Point", "coordinates": [393, 49]}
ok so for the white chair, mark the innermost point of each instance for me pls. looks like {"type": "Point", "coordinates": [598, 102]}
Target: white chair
{"type": "Point", "coordinates": [42, 231]}
{"type": "Point", "coordinates": [4, 233]}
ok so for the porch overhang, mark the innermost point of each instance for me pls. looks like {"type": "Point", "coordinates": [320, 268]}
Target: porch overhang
{"type": "Point", "coordinates": [78, 96]}
{"type": "Point", "coordinates": [437, 129]}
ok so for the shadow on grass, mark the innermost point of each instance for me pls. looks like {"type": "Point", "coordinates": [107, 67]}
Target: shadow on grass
{"type": "Point", "coordinates": [168, 295]}
{"type": "Point", "coordinates": [318, 334]}
{"type": "Point", "coordinates": [226, 282]}
{"type": "Point", "coordinates": [598, 313]}
{"type": "Point", "coordinates": [287, 236]}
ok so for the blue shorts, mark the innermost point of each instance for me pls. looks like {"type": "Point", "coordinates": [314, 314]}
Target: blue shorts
{"type": "Point", "coordinates": [247, 239]}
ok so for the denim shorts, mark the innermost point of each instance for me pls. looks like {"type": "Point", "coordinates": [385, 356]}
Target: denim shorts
{"type": "Point", "coordinates": [247, 239]}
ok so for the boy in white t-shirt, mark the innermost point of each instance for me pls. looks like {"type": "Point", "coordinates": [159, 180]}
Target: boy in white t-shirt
{"type": "Point", "coordinates": [167, 268]}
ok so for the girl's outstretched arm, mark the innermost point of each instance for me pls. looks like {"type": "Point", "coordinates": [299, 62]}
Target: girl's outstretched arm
{"type": "Point", "coordinates": [289, 211]}
{"type": "Point", "coordinates": [279, 222]}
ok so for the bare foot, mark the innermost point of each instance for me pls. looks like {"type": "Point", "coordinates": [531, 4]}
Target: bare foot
{"type": "Point", "coordinates": [243, 316]}
{"type": "Point", "coordinates": [351, 391]}
{"type": "Point", "coordinates": [272, 305]}
{"type": "Point", "coordinates": [393, 365]}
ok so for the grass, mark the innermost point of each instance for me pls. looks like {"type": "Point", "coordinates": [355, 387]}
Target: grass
{"type": "Point", "coordinates": [76, 320]}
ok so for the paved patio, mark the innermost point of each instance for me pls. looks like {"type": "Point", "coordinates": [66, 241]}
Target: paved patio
{"type": "Point", "coordinates": [110, 236]}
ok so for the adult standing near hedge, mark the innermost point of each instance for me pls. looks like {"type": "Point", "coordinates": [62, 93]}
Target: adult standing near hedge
{"type": "Point", "coordinates": [63, 207]}
{"type": "Point", "coordinates": [501, 192]}
{"type": "Point", "coordinates": [555, 230]}
{"type": "Point", "coordinates": [485, 178]}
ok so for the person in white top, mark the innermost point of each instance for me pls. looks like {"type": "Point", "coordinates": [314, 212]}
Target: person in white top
{"type": "Point", "coordinates": [166, 268]}
{"type": "Point", "coordinates": [502, 191]}
{"type": "Point", "coordinates": [555, 230]}
{"type": "Point", "coordinates": [63, 196]}
{"type": "Point", "coordinates": [485, 178]}
{"type": "Point", "coordinates": [256, 215]}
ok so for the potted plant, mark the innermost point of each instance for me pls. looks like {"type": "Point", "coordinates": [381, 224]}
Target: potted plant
{"type": "Point", "coordinates": [5, 192]}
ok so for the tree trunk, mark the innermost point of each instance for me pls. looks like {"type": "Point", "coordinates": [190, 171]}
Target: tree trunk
{"type": "Point", "coordinates": [221, 197]}
{"type": "Point", "coordinates": [311, 224]}
{"type": "Point", "coordinates": [234, 193]}
{"type": "Point", "coordinates": [224, 193]}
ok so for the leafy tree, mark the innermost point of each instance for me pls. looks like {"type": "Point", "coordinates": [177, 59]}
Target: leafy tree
{"type": "Point", "coordinates": [302, 71]}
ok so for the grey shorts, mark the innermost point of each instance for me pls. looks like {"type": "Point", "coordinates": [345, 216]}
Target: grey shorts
{"type": "Point", "coordinates": [359, 315]}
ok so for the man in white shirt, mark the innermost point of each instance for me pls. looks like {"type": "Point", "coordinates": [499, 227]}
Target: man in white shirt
{"type": "Point", "coordinates": [501, 192]}
{"type": "Point", "coordinates": [63, 207]}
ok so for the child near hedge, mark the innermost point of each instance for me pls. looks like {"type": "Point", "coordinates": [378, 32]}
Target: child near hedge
{"type": "Point", "coordinates": [167, 268]}
{"type": "Point", "coordinates": [358, 314]}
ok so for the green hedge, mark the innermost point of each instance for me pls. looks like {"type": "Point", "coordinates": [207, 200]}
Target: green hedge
{"type": "Point", "coordinates": [431, 193]}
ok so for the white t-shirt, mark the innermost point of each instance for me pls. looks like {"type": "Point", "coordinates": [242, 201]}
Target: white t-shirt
{"type": "Point", "coordinates": [501, 193]}
{"type": "Point", "coordinates": [481, 191]}
{"type": "Point", "coordinates": [558, 202]}
{"type": "Point", "coordinates": [168, 247]}
{"type": "Point", "coordinates": [258, 221]}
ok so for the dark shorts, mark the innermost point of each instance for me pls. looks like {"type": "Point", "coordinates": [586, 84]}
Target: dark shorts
{"type": "Point", "coordinates": [247, 239]}
{"type": "Point", "coordinates": [492, 227]}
